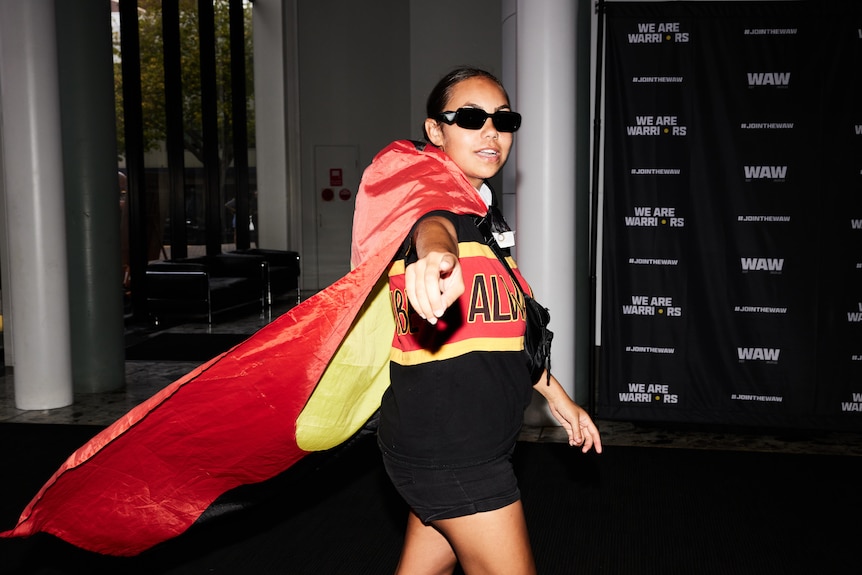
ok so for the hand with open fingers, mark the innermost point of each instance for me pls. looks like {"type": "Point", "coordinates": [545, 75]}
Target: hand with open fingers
{"type": "Point", "coordinates": [579, 426]}
{"type": "Point", "coordinates": [433, 283]}
{"type": "Point", "coordinates": [575, 420]}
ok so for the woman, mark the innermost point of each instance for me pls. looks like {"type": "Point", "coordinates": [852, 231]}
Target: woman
{"type": "Point", "coordinates": [459, 381]}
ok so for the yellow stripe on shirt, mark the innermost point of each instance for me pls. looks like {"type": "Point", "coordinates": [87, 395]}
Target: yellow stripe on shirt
{"type": "Point", "coordinates": [456, 349]}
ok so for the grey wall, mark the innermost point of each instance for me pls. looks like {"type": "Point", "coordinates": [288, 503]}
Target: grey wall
{"type": "Point", "coordinates": [364, 71]}
{"type": "Point", "coordinates": [449, 33]}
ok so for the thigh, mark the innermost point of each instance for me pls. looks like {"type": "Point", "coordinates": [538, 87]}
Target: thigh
{"type": "Point", "coordinates": [492, 542]}
{"type": "Point", "coordinates": [426, 551]}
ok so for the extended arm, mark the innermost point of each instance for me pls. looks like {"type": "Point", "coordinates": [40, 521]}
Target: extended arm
{"type": "Point", "coordinates": [434, 281]}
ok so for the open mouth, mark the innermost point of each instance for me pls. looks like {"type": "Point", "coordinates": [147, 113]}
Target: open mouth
{"type": "Point", "coordinates": [488, 153]}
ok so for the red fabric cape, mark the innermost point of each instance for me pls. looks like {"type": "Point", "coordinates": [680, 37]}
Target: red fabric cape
{"type": "Point", "coordinates": [230, 422]}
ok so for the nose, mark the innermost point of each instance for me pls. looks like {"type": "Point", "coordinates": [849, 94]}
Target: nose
{"type": "Point", "coordinates": [489, 129]}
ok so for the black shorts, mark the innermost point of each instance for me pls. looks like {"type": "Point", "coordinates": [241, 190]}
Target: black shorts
{"type": "Point", "coordinates": [445, 492]}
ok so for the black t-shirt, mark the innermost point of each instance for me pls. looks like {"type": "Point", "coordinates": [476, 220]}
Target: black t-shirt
{"type": "Point", "coordinates": [458, 388]}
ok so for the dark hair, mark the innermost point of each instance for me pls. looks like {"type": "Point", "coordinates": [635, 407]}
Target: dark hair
{"type": "Point", "coordinates": [439, 96]}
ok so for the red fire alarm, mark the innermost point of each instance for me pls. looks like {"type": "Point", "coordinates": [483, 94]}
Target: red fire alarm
{"type": "Point", "coordinates": [336, 177]}
{"type": "Point", "coordinates": [327, 194]}
{"type": "Point", "coordinates": [344, 194]}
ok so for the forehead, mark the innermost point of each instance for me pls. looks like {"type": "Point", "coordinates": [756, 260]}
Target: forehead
{"type": "Point", "coordinates": [478, 91]}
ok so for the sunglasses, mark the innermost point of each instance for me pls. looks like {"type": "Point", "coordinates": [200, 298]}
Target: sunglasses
{"type": "Point", "coordinates": [474, 119]}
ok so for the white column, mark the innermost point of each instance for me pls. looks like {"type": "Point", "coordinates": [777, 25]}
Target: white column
{"type": "Point", "coordinates": [545, 163]}
{"type": "Point", "coordinates": [35, 225]}
{"type": "Point", "coordinates": [277, 112]}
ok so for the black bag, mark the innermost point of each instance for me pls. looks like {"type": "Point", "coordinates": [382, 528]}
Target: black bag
{"type": "Point", "coordinates": [537, 338]}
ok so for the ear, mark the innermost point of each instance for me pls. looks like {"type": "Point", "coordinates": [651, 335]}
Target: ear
{"type": "Point", "coordinates": [434, 131]}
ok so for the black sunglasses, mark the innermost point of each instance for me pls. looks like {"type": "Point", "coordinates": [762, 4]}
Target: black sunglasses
{"type": "Point", "coordinates": [474, 119]}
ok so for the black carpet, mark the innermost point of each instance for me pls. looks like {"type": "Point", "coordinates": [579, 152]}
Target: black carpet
{"type": "Point", "coordinates": [183, 346]}
{"type": "Point", "coordinates": [629, 511]}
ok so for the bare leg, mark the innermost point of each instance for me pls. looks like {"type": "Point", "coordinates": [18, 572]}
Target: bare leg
{"type": "Point", "coordinates": [491, 543]}
{"type": "Point", "coordinates": [426, 551]}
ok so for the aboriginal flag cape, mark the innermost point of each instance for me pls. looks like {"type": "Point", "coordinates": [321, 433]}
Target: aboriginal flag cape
{"type": "Point", "coordinates": [306, 382]}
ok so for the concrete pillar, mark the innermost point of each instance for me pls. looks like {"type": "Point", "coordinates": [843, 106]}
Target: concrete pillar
{"type": "Point", "coordinates": [277, 110]}
{"type": "Point", "coordinates": [92, 194]}
{"type": "Point", "coordinates": [35, 225]}
{"type": "Point", "coordinates": [546, 95]}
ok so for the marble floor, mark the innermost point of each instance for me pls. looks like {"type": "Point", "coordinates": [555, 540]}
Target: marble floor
{"type": "Point", "coordinates": [144, 378]}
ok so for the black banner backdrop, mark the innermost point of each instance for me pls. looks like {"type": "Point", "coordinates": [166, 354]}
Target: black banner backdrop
{"type": "Point", "coordinates": [732, 228]}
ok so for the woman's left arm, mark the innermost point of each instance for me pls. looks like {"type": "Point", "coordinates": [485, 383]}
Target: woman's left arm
{"type": "Point", "coordinates": [574, 419]}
